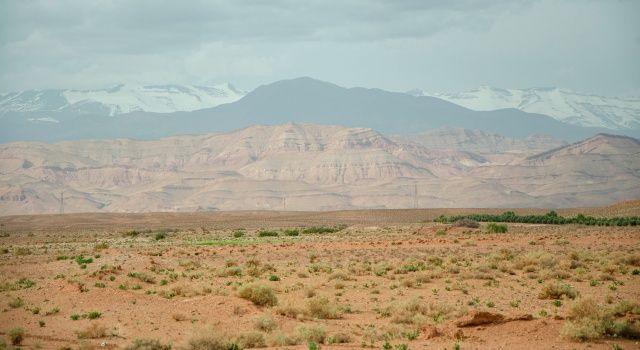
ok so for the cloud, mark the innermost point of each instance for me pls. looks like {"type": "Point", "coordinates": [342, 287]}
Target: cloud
{"type": "Point", "coordinates": [75, 43]}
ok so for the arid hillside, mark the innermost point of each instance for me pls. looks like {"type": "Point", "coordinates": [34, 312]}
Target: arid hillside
{"type": "Point", "coordinates": [315, 167]}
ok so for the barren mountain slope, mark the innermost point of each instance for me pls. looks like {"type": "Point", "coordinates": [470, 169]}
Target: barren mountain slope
{"type": "Point", "coordinates": [307, 167]}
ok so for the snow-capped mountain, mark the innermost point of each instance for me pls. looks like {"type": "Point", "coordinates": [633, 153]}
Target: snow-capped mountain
{"type": "Point", "coordinates": [562, 104]}
{"type": "Point", "coordinates": [121, 99]}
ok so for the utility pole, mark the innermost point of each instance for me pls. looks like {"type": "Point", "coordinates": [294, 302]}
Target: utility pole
{"type": "Point", "coordinates": [62, 202]}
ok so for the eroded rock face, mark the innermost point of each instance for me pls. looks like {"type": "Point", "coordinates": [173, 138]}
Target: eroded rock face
{"type": "Point", "coordinates": [309, 167]}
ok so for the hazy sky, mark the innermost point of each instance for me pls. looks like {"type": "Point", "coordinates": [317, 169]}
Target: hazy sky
{"type": "Point", "coordinates": [590, 46]}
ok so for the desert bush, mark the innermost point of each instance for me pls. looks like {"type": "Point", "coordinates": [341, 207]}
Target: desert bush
{"type": "Point", "coordinates": [22, 283]}
{"type": "Point", "coordinates": [142, 276]}
{"type": "Point", "coordinates": [588, 321]}
{"type": "Point", "coordinates": [22, 251]}
{"type": "Point", "coordinates": [259, 294]}
{"type": "Point", "coordinates": [292, 232]}
{"type": "Point", "coordinates": [312, 333]}
{"type": "Point", "coordinates": [321, 307]}
{"type": "Point", "coordinates": [81, 260]}
{"type": "Point", "coordinates": [93, 331]}
{"type": "Point", "coordinates": [540, 259]}
{"type": "Point", "coordinates": [339, 338]}
{"type": "Point", "coordinates": [557, 291]}
{"type": "Point", "coordinates": [210, 341]}
{"type": "Point", "coordinates": [251, 340]}
{"type": "Point", "coordinates": [290, 311]}
{"type": "Point", "coordinates": [16, 303]}
{"type": "Point", "coordinates": [147, 344]}
{"type": "Point", "coordinates": [264, 322]}
{"type": "Point", "coordinates": [101, 246]}
{"type": "Point", "coordinates": [496, 228]}
{"type": "Point", "coordinates": [16, 335]}
{"type": "Point", "coordinates": [322, 229]}
{"type": "Point", "coordinates": [280, 339]}
{"type": "Point", "coordinates": [230, 271]}
{"type": "Point", "coordinates": [413, 311]}
{"type": "Point", "coordinates": [267, 233]}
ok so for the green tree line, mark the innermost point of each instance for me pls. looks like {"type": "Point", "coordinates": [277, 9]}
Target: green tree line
{"type": "Point", "coordinates": [549, 218]}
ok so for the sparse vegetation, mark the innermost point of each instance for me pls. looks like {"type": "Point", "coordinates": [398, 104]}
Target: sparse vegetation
{"type": "Point", "coordinates": [393, 286]}
{"type": "Point", "coordinates": [147, 344]}
{"type": "Point", "coordinates": [588, 320]}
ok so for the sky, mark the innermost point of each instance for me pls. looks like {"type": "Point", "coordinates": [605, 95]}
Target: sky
{"type": "Point", "coordinates": [590, 46]}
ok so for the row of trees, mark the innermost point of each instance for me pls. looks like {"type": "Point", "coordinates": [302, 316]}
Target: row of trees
{"type": "Point", "coordinates": [549, 218]}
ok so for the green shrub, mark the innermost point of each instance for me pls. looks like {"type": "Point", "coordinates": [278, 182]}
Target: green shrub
{"type": "Point", "coordinates": [292, 232]}
{"type": "Point", "coordinates": [16, 303]}
{"type": "Point", "coordinates": [267, 233]}
{"type": "Point", "coordinates": [550, 218]}
{"type": "Point", "coordinates": [16, 335]}
{"type": "Point", "coordinates": [322, 229]}
{"type": "Point", "coordinates": [81, 260]}
{"type": "Point", "coordinates": [92, 315]}
{"type": "Point", "coordinates": [496, 228]}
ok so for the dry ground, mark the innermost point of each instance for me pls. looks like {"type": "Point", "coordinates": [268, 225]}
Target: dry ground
{"type": "Point", "coordinates": [389, 276]}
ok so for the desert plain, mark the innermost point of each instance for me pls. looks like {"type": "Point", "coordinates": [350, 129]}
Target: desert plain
{"type": "Point", "coordinates": [370, 279]}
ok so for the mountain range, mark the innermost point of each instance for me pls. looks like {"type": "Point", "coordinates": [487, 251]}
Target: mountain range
{"type": "Point", "coordinates": [297, 166]}
{"type": "Point", "coordinates": [120, 99]}
{"type": "Point", "coordinates": [301, 100]}
{"type": "Point", "coordinates": [568, 106]}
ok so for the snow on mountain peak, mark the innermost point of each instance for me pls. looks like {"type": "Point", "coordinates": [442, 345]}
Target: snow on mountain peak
{"type": "Point", "coordinates": [122, 98]}
{"type": "Point", "coordinates": [559, 103]}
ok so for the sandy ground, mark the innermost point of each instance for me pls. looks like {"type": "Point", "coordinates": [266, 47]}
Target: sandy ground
{"type": "Point", "coordinates": [390, 275]}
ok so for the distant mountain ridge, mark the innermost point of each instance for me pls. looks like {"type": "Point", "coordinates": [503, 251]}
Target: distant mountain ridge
{"type": "Point", "coordinates": [300, 100]}
{"type": "Point", "coordinates": [297, 166]}
{"type": "Point", "coordinates": [562, 104]}
{"type": "Point", "coordinates": [121, 99]}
